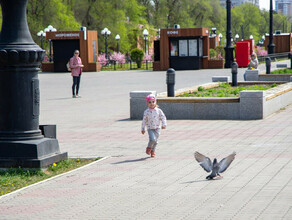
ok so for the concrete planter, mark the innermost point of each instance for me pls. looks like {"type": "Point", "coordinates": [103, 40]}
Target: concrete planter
{"type": "Point", "coordinates": [253, 75]}
{"type": "Point", "coordinates": [275, 77]}
{"type": "Point", "coordinates": [250, 105]}
{"type": "Point", "coordinates": [138, 103]}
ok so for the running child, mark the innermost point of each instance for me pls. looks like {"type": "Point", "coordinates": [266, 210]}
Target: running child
{"type": "Point", "coordinates": [152, 118]}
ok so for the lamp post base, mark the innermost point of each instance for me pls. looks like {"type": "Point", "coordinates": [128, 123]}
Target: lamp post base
{"type": "Point", "coordinates": [30, 153]}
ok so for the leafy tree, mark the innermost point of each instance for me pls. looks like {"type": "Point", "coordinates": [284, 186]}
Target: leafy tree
{"type": "Point", "coordinates": [120, 17]}
{"type": "Point", "coordinates": [159, 14]}
{"type": "Point", "coordinates": [237, 20]}
{"type": "Point", "coordinates": [201, 12]}
{"type": "Point", "coordinates": [265, 22]}
{"type": "Point", "coordinates": [251, 17]}
{"type": "Point", "coordinates": [41, 13]}
{"type": "Point", "coordinates": [128, 18]}
{"type": "Point", "coordinates": [218, 14]}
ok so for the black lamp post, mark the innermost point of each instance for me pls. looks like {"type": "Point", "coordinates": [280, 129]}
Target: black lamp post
{"type": "Point", "coordinates": [283, 26]}
{"type": "Point", "coordinates": [41, 34]}
{"type": "Point", "coordinates": [145, 33]}
{"type": "Point", "coordinates": [229, 48]}
{"type": "Point", "coordinates": [118, 38]}
{"type": "Point", "coordinates": [242, 33]}
{"type": "Point", "coordinates": [271, 46]}
{"type": "Point", "coordinates": [105, 32]}
{"type": "Point", "coordinates": [21, 141]}
{"type": "Point", "coordinates": [50, 28]}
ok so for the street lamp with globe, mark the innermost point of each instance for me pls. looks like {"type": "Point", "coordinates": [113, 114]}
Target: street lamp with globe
{"type": "Point", "coordinates": [145, 33]}
{"type": "Point", "coordinates": [118, 38]}
{"type": "Point", "coordinates": [263, 39]}
{"type": "Point", "coordinates": [236, 37]}
{"type": "Point", "coordinates": [220, 38]}
{"type": "Point", "coordinates": [105, 32]}
{"type": "Point", "coordinates": [41, 34]}
{"type": "Point", "coordinates": [50, 28]}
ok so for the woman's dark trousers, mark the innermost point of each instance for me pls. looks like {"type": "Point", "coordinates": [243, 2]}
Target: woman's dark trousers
{"type": "Point", "coordinates": [76, 82]}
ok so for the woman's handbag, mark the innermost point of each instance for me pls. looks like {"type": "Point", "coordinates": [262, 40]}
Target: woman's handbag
{"type": "Point", "coordinates": [68, 66]}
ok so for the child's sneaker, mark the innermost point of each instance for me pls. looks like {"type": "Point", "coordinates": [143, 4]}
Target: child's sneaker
{"type": "Point", "coordinates": [152, 153]}
{"type": "Point", "coordinates": [148, 150]}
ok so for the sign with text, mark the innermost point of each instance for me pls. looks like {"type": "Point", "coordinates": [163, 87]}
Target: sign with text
{"type": "Point", "coordinates": [172, 32]}
{"type": "Point", "coordinates": [65, 35]}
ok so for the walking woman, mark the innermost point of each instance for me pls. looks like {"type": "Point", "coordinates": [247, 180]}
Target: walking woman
{"type": "Point", "coordinates": [76, 71]}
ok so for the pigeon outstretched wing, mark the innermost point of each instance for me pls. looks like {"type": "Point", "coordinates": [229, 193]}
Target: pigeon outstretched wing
{"type": "Point", "coordinates": [204, 161]}
{"type": "Point", "coordinates": [225, 162]}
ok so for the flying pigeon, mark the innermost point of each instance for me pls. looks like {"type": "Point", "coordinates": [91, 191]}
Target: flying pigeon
{"type": "Point", "coordinates": [216, 167]}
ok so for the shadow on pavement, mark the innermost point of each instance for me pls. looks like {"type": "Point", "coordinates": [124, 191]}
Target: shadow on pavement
{"type": "Point", "coordinates": [61, 98]}
{"type": "Point", "coordinates": [203, 180]}
{"type": "Point", "coordinates": [195, 181]}
{"type": "Point", "coordinates": [125, 119]}
{"type": "Point", "coordinates": [131, 161]}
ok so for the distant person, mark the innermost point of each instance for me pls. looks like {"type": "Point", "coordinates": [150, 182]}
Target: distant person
{"type": "Point", "coordinates": [76, 71]}
{"type": "Point", "coordinates": [253, 64]}
{"type": "Point", "coordinates": [253, 61]}
{"type": "Point", "coordinates": [152, 118]}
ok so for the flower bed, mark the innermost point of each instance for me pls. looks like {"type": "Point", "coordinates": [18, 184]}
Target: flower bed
{"type": "Point", "coordinates": [280, 75]}
{"type": "Point", "coordinates": [250, 105]}
{"type": "Point", "coordinates": [282, 71]}
{"type": "Point", "coordinates": [226, 90]}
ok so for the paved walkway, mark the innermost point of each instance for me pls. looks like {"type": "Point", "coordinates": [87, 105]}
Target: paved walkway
{"type": "Point", "coordinates": [129, 185]}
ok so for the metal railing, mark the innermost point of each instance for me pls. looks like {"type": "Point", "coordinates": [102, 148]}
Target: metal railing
{"type": "Point", "coordinates": [129, 65]}
{"type": "Point", "coordinates": [274, 57]}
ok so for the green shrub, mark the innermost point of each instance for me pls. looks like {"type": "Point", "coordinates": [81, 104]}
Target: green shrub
{"type": "Point", "coordinates": [137, 56]}
{"type": "Point", "coordinates": [212, 53]}
{"type": "Point", "coordinates": [201, 88]}
{"type": "Point", "coordinates": [220, 50]}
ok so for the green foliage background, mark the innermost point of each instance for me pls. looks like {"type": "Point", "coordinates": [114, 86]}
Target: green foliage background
{"type": "Point", "coordinates": [137, 56]}
{"type": "Point", "coordinates": [128, 18]}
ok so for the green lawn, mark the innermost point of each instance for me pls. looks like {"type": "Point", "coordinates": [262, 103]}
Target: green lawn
{"type": "Point", "coordinates": [225, 90]}
{"type": "Point", "coordinates": [14, 179]}
{"type": "Point", "coordinates": [282, 71]}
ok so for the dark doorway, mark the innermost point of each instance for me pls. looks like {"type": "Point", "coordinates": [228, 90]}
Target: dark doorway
{"type": "Point", "coordinates": [185, 53]}
{"type": "Point", "coordinates": [63, 51]}
{"type": "Point", "coordinates": [157, 50]}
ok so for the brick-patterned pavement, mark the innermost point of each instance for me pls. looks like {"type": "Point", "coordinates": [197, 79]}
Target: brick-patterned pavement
{"type": "Point", "coordinates": [129, 184]}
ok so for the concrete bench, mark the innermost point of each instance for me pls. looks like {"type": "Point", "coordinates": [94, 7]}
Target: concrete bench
{"type": "Point", "coordinates": [281, 65]}
{"type": "Point", "coordinates": [251, 75]}
{"type": "Point", "coordinates": [138, 103]}
{"type": "Point", "coordinates": [220, 78]}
